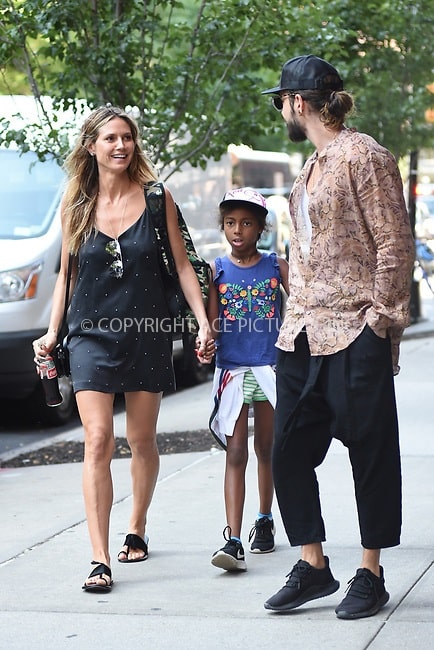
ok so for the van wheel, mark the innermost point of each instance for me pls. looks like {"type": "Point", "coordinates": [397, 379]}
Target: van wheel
{"type": "Point", "coordinates": [57, 415]}
{"type": "Point", "coordinates": [188, 370]}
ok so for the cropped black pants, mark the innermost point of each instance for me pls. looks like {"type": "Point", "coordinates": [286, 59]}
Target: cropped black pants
{"type": "Point", "coordinates": [349, 395]}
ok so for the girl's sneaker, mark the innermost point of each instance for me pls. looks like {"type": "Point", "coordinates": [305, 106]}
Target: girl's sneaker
{"type": "Point", "coordinates": [262, 533]}
{"type": "Point", "coordinates": [231, 556]}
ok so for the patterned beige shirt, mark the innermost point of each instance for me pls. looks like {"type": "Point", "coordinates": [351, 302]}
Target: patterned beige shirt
{"type": "Point", "coordinates": [361, 256]}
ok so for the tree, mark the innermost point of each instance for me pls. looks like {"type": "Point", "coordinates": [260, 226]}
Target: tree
{"type": "Point", "coordinates": [183, 71]}
{"type": "Point", "coordinates": [194, 69]}
{"type": "Point", "coordinates": [387, 63]}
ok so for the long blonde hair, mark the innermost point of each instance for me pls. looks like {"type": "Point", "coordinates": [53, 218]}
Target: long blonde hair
{"type": "Point", "coordinates": [81, 192]}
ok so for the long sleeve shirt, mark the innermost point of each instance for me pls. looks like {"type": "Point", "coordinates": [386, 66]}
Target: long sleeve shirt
{"type": "Point", "coordinates": [359, 264]}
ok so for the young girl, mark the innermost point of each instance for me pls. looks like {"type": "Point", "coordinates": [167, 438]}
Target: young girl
{"type": "Point", "coordinates": [244, 312]}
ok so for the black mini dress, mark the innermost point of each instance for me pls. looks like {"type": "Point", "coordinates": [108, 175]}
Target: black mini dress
{"type": "Point", "coordinates": [119, 337]}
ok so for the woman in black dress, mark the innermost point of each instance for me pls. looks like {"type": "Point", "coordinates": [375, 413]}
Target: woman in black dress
{"type": "Point", "coordinates": [118, 338]}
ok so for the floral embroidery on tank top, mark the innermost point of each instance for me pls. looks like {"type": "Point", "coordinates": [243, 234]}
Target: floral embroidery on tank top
{"type": "Point", "coordinates": [259, 298]}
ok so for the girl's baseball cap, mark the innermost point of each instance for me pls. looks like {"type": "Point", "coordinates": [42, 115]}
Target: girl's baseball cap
{"type": "Point", "coordinates": [245, 195]}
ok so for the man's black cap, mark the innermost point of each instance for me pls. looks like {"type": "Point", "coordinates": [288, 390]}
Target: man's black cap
{"type": "Point", "coordinates": [307, 73]}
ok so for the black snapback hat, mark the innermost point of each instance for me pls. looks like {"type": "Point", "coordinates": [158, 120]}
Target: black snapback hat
{"type": "Point", "coordinates": [307, 73]}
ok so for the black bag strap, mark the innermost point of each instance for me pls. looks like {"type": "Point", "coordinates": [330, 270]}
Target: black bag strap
{"type": "Point", "coordinates": [62, 330]}
{"type": "Point", "coordinates": [156, 202]}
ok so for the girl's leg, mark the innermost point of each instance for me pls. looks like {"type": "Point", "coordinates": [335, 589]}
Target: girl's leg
{"type": "Point", "coordinates": [96, 413]}
{"type": "Point", "coordinates": [142, 412]}
{"type": "Point", "coordinates": [263, 444]}
{"type": "Point", "coordinates": [236, 463]}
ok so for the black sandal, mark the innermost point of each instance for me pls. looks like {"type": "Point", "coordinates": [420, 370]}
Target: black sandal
{"type": "Point", "coordinates": [134, 541]}
{"type": "Point", "coordinates": [100, 570]}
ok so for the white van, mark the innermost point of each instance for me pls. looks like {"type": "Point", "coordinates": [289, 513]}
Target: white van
{"type": "Point", "coordinates": [30, 243]}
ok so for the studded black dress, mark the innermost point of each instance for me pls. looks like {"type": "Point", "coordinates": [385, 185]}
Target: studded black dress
{"type": "Point", "coordinates": [118, 321]}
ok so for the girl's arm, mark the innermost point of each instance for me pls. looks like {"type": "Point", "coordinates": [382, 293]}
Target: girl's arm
{"type": "Point", "coordinates": [284, 273]}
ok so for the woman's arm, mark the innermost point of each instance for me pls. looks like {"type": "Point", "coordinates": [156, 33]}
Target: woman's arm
{"type": "Point", "coordinates": [212, 309]}
{"type": "Point", "coordinates": [188, 281]}
{"type": "Point", "coordinates": [47, 342]}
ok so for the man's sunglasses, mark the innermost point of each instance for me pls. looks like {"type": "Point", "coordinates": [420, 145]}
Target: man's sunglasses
{"type": "Point", "coordinates": [277, 101]}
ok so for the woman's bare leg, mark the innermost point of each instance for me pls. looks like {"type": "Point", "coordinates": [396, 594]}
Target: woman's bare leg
{"type": "Point", "coordinates": [96, 413]}
{"type": "Point", "coordinates": [142, 410]}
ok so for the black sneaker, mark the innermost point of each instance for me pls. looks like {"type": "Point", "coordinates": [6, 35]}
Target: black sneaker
{"type": "Point", "coordinates": [262, 533]}
{"type": "Point", "coordinates": [231, 556]}
{"type": "Point", "coordinates": [304, 583]}
{"type": "Point", "coordinates": [366, 595]}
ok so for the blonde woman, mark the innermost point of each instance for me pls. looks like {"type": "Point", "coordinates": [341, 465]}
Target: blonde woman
{"type": "Point", "coordinates": [117, 339]}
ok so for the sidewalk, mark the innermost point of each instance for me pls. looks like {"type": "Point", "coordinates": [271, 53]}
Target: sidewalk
{"type": "Point", "coordinates": [177, 599]}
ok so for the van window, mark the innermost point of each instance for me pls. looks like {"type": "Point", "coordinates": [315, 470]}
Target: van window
{"type": "Point", "coordinates": [29, 194]}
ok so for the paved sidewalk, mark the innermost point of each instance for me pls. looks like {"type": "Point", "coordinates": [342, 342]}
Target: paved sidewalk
{"type": "Point", "coordinates": [177, 599]}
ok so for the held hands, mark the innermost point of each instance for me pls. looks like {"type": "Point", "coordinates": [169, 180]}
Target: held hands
{"type": "Point", "coordinates": [205, 345]}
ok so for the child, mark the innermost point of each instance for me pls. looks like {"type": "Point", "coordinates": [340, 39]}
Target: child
{"type": "Point", "coordinates": [244, 312]}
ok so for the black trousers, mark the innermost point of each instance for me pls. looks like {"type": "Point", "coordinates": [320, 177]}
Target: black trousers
{"type": "Point", "coordinates": [349, 395]}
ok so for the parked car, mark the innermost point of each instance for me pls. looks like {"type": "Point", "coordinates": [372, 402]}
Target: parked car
{"type": "Point", "coordinates": [425, 216]}
{"type": "Point", "coordinates": [276, 237]}
{"type": "Point", "coordinates": [209, 243]}
{"type": "Point", "coordinates": [424, 258]}
{"type": "Point", "coordinates": [30, 244]}
{"type": "Point", "coordinates": [424, 226]}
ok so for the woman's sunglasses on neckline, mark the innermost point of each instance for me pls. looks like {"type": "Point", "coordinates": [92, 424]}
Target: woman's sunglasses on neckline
{"type": "Point", "coordinates": [116, 268]}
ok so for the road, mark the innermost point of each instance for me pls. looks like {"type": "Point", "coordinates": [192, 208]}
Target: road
{"type": "Point", "coordinates": [184, 410]}
{"type": "Point", "coordinates": [17, 429]}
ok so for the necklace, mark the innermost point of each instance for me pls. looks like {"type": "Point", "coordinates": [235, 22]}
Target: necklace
{"type": "Point", "coordinates": [116, 268]}
{"type": "Point", "coordinates": [121, 223]}
{"type": "Point", "coordinates": [244, 260]}
{"type": "Point", "coordinates": [109, 221]}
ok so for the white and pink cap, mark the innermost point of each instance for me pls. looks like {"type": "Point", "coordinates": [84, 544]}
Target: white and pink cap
{"type": "Point", "coordinates": [245, 195]}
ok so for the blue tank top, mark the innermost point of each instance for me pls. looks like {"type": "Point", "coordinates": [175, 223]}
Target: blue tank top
{"type": "Point", "coordinates": [249, 312]}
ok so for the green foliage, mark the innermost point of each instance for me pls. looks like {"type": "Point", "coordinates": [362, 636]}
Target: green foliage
{"type": "Point", "coordinates": [386, 53]}
{"type": "Point", "coordinates": [194, 69]}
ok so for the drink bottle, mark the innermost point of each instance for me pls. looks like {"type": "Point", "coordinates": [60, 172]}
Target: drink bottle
{"type": "Point", "coordinates": [50, 382]}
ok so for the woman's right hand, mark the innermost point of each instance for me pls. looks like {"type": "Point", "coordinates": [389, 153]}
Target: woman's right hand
{"type": "Point", "coordinates": [205, 344]}
{"type": "Point", "coordinates": [43, 346]}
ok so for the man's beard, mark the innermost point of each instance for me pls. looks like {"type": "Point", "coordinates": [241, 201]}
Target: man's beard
{"type": "Point", "coordinates": [295, 132]}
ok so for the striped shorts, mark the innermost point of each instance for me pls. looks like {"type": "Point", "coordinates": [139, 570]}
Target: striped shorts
{"type": "Point", "coordinates": [252, 392]}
